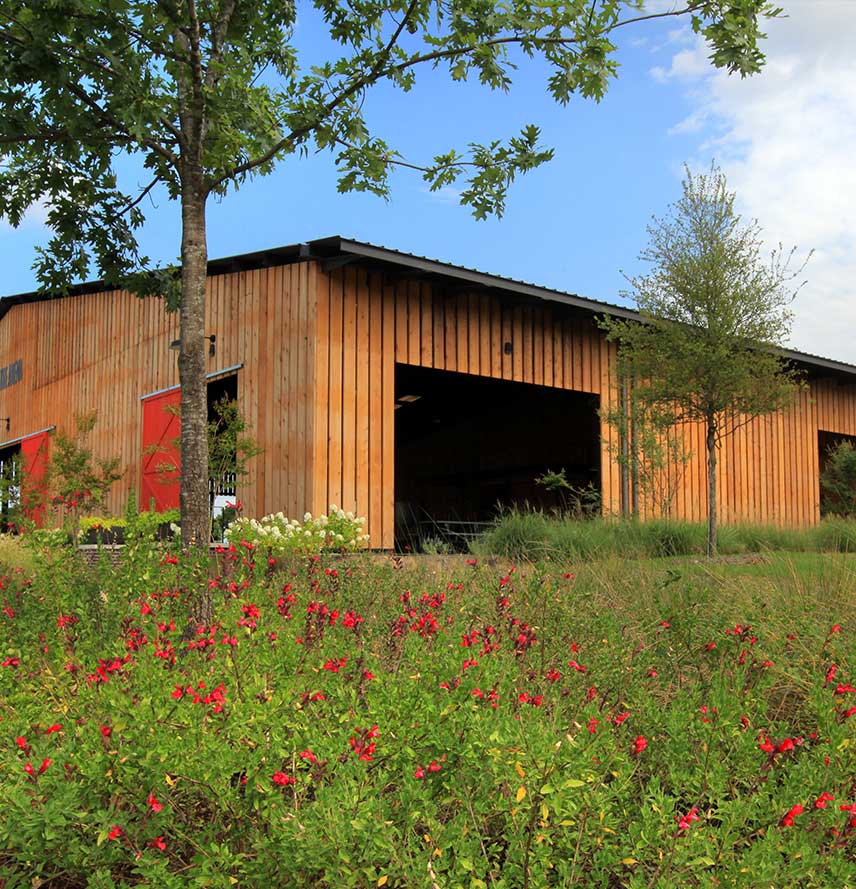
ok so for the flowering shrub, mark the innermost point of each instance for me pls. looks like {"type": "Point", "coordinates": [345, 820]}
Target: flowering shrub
{"type": "Point", "coordinates": [354, 725]}
{"type": "Point", "coordinates": [278, 535]}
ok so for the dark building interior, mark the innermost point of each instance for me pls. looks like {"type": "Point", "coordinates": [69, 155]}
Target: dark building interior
{"type": "Point", "coordinates": [467, 446]}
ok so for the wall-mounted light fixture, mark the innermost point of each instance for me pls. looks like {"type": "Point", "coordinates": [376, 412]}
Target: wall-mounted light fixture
{"type": "Point", "coordinates": [507, 348]}
{"type": "Point", "coordinates": [7, 420]}
{"type": "Point", "coordinates": [175, 345]}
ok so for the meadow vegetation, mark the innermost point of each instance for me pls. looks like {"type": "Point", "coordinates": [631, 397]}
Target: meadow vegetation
{"type": "Point", "coordinates": [348, 722]}
{"type": "Point", "coordinates": [534, 535]}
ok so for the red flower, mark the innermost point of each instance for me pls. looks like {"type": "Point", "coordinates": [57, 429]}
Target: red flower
{"type": "Point", "coordinates": [309, 756]}
{"type": "Point", "coordinates": [823, 800]}
{"type": "Point", "coordinates": [21, 741]}
{"type": "Point", "coordinates": [115, 832]}
{"type": "Point", "coordinates": [153, 802]}
{"type": "Point", "coordinates": [580, 668]}
{"type": "Point", "coordinates": [788, 820]}
{"type": "Point", "coordinates": [684, 821]}
{"type": "Point", "coordinates": [836, 628]}
{"type": "Point", "coordinates": [157, 843]}
{"type": "Point", "coordinates": [592, 725]}
{"type": "Point", "coordinates": [766, 745]}
{"type": "Point", "coordinates": [282, 779]}
{"type": "Point", "coordinates": [639, 745]}
{"type": "Point", "coordinates": [56, 727]}
{"type": "Point", "coordinates": [435, 766]}
{"type": "Point", "coordinates": [44, 766]}
{"type": "Point", "coordinates": [419, 773]}
{"type": "Point", "coordinates": [106, 731]}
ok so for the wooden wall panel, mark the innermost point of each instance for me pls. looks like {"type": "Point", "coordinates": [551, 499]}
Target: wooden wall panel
{"type": "Point", "coordinates": [318, 350]}
{"type": "Point", "coordinates": [103, 351]}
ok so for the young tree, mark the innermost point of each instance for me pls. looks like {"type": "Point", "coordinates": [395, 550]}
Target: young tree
{"type": "Point", "coordinates": [714, 312]}
{"type": "Point", "coordinates": [210, 92]}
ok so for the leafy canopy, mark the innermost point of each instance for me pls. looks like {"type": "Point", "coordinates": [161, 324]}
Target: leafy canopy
{"type": "Point", "coordinates": [209, 92]}
{"type": "Point", "coordinates": [714, 314]}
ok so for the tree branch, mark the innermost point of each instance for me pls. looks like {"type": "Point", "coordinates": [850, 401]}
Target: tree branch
{"type": "Point", "coordinates": [218, 38]}
{"type": "Point", "coordinates": [138, 200]}
{"type": "Point", "coordinates": [118, 127]}
{"type": "Point", "coordinates": [374, 74]}
{"type": "Point", "coordinates": [378, 72]}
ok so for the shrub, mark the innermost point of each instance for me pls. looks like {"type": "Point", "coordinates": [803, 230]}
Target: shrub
{"type": "Point", "coordinates": [339, 531]}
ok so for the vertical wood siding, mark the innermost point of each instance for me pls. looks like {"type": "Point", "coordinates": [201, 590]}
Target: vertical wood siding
{"type": "Point", "coordinates": [103, 351]}
{"type": "Point", "coordinates": [317, 387]}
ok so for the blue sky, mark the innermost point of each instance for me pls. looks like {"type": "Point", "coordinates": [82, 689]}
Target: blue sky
{"type": "Point", "coordinates": [783, 137]}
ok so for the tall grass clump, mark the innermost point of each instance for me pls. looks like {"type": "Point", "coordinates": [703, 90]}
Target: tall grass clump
{"type": "Point", "coordinates": [536, 536]}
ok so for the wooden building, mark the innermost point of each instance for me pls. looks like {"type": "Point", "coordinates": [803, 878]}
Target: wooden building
{"type": "Point", "coordinates": [406, 389]}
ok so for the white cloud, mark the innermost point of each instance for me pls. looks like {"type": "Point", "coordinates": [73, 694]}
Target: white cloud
{"type": "Point", "coordinates": [786, 140]}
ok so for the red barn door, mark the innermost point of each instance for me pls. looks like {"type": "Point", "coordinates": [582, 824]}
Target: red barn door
{"type": "Point", "coordinates": [34, 460]}
{"type": "Point", "coordinates": [161, 431]}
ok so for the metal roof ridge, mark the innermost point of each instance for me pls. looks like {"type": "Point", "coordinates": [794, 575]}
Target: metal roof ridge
{"type": "Point", "coordinates": [339, 245]}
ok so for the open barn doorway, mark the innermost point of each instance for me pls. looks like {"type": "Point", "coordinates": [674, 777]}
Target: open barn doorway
{"type": "Point", "coordinates": [467, 446]}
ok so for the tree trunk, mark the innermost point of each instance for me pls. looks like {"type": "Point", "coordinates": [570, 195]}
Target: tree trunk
{"type": "Point", "coordinates": [195, 521]}
{"type": "Point", "coordinates": [711, 486]}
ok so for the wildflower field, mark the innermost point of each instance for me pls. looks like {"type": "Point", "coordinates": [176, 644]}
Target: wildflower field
{"type": "Point", "coordinates": [349, 722]}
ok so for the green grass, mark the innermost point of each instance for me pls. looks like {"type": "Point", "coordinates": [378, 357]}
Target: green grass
{"type": "Point", "coordinates": [535, 535]}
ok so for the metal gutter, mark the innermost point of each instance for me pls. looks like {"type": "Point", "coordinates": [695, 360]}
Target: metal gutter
{"type": "Point", "coordinates": [336, 249]}
{"type": "Point", "coordinates": [209, 376]}
{"type": "Point", "coordinates": [20, 438]}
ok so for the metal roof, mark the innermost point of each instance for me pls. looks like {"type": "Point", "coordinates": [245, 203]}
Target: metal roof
{"type": "Point", "coordinates": [337, 250]}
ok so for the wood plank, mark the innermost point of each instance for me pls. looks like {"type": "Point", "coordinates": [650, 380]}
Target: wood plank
{"type": "Point", "coordinates": [527, 325]}
{"type": "Point", "coordinates": [335, 385]}
{"type": "Point", "coordinates": [349, 394]}
{"type": "Point", "coordinates": [363, 348]}
{"type": "Point", "coordinates": [321, 390]}
{"type": "Point", "coordinates": [375, 394]}
{"type": "Point", "coordinates": [387, 483]}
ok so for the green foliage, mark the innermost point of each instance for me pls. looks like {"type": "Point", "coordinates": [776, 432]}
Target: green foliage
{"type": "Point", "coordinates": [714, 312]}
{"type": "Point", "coordinates": [230, 448]}
{"type": "Point", "coordinates": [678, 725]}
{"type": "Point", "coordinates": [14, 555]}
{"type": "Point", "coordinates": [171, 83]}
{"type": "Point", "coordinates": [533, 536]}
{"type": "Point", "coordinates": [77, 481]}
{"type": "Point", "coordinates": [578, 501]}
{"type": "Point", "coordinates": [87, 523]}
{"type": "Point", "coordinates": [209, 94]}
{"type": "Point", "coordinates": [838, 481]}
{"type": "Point", "coordinates": [132, 509]}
